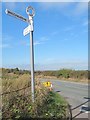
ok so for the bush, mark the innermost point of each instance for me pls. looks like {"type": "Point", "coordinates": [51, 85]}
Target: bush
{"type": "Point", "coordinates": [19, 104]}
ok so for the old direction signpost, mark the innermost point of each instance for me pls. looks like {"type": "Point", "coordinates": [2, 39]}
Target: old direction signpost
{"type": "Point", "coordinates": [26, 31]}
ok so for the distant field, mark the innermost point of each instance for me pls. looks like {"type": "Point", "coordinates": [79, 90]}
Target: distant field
{"type": "Point", "coordinates": [64, 79]}
{"type": "Point", "coordinates": [66, 74]}
{"type": "Point", "coordinates": [63, 74]}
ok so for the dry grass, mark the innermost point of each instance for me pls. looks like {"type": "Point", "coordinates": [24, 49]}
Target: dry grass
{"type": "Point", "coordinates": [16, 83]}
{"type": "Point", "coordinates": [19, 104]}
{"type": "Point", "coordinates": [86, 81]}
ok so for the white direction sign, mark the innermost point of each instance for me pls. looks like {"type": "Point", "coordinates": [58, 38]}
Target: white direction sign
{"type": "Point", "coordinates": [27, 30]}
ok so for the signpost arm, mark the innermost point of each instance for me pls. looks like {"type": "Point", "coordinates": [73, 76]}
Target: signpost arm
{"type": "Point", "coordinates": [16, 15]}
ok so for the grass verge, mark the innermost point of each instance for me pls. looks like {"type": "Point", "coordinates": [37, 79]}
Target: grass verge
{"type": "Point", "coordinates": [55, 106]}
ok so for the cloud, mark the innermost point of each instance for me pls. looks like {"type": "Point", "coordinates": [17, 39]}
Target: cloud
{"type": "Point", "coordinates": [60, 5]}
{"type": "Point", "coordinates": [81, 8]}
{"type": "Point", "coordinates": [41, 41]}
{"type": "Point", "coordinates": [5, 46]}
{"type": "Point", "coordinates": [53, 66]}
{"type": "Point", "coordinates": [55, 33]}
{"type": "Point", "coordinates": [85, 31]}
{"type": "Point", "coordinates": [85, 23]}
{"type": "Point", "coordinates": [53, 5]}
{"type": "Point", "coordinates": [68, 29]}
{"type": "Point", "coordinates": [6, 37]}
{"type": "Point", "coordinates": [12, 5]}
{"type": "Point", "coordinates": [66, 8]}
{"type": "Point", "coordinates": [66, 65]}
{"type": "Point", "coordinates": [35, 43]}
{"type": "Point", "coordinates": [5, 41]}
{"type": "Point", "coordinates": [56, 64]}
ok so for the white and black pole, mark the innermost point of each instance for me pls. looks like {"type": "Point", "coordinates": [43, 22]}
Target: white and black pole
{"type": "Point", "coordinates": [27, 30]}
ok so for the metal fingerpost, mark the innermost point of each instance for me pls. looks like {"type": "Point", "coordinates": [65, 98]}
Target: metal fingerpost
{"type": "Point", "coordinates": [31, 49]}
{"type": "Point", "coordinates": [27, 30]}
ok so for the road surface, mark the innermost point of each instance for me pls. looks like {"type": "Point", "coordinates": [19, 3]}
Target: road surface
{"type": "Point", "coordinates": [75, 93]}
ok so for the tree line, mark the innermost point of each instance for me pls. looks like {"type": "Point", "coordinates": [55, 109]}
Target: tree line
{"type": "Point", "coordinates": [62, 73]}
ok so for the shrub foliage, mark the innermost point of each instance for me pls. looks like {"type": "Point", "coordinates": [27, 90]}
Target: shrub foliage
{"type": "Point", "coordinates": [17, 102]}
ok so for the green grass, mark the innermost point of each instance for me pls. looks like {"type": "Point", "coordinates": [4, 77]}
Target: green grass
{"type": "Point", "coordinates": [55, 106]}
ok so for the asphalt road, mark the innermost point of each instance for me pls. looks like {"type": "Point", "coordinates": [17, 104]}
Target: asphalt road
{"type": "Point", "coordinates": [75, 93]}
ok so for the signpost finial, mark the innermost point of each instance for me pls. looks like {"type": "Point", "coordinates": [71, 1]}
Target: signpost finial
{"type": "Point", "coordinates": [32, 9]}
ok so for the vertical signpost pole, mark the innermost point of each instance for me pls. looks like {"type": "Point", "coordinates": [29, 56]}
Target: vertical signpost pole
{"type": "Point", "coordinates": [32, 50]}
{"type": "Point", "coordinates": [32, 65]}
